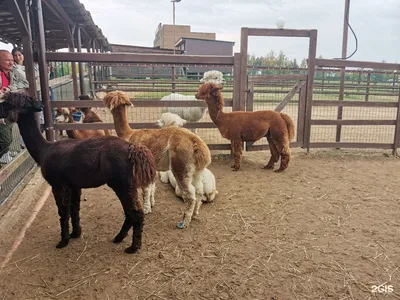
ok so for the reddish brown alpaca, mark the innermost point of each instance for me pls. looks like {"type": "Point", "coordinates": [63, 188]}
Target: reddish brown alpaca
{"type": "Point", "coordinates": [240, 126]}
{"type": "Point", "coordinates": [64, 115]}
{"type": "Point", "coordinates": [70, 165]}
{"type": "Point", "coordinates": [92, 117]}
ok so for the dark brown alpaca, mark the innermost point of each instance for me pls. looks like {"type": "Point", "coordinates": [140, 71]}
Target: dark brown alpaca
{"type": "Point", "coordinates": [244, 126]}
{"type": "Point", "coordinates": [70, 165]}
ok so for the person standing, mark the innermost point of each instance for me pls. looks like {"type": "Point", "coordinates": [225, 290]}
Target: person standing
{"type": "Point", "coordinates": [11, 79]}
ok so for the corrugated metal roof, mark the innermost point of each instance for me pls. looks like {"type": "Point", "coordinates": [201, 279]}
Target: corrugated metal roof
{"type": "Point", "coordinates": [56, 13]}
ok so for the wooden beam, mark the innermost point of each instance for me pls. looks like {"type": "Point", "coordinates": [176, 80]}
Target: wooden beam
{"type": "Point", "coordinates": [351, 145]}
{"type": "Point", "coordinates": [140, 58]}
{"type": "Point", "coordinates": [18, 17]}
{"type": "Point", "coordinates": [335, 63]}
{"type": "Point", "coordinates": [353, 122]}
{"type": "Point", "coordinates": [278, 32]}
{"type": "Point", "coordinates": [353, 103]}
{"type": "Point", "coordinates": [263, 78]}
{"type": "Point", "coordinates": [97, 126]}
{"type": "Point", "coordinates": [136, 103]}
{"type": "Point", "coordinates": [289, 96]}
{"type": "Point", "coordinates": [63, 17]}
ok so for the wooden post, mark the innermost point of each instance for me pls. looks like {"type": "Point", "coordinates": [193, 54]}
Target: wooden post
{"type": "Point", "coordinates": [244, 35]}
{"type": "Point", "coordinates": [312, 51]}
{"type": "Point", "coordinates": [397, 128]}
{"type": "Point", "coordinates": [80, 66]}
{"type": "Point", "coordinates": [91, 92]}
{"type": "Point", "coordinates": [301, 115]}
{"type": "Point", "coordinates": [44, 80]}
{"type": "Point", "coordinates": [368, 84]}
{"type": "Point", "coordinates": [343, 70]}
{"type": "Point", "coordinates": [173, 79]}
{"type": "Point", "coordinates": [236, 82]}
{"type": "Point", "coordinates": [95, 68]}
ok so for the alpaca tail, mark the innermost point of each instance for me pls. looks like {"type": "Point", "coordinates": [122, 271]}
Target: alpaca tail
{"type": "Point", "coordinates": [201, 155]}
{"type": "Point", "coordinates": [115, 99]}
{"type": "Point", "coordinates": [143, 164]}
{"type": "Point", "coordinates": [290, 125]}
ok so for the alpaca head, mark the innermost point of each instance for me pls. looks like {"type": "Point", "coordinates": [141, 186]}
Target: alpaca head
{"type": "Point", "coordinates": [14, 103]}
{"type": "Point", "coordinates": [209, 197]}
{"type": "Point", "coordinates": [169, 119]}
{"type": "Point", "coordinates": [208, 91]}
{"type": "Point", "coordinates": [213, 77]}
{"type": "Point", "coordinates": [115, 99]}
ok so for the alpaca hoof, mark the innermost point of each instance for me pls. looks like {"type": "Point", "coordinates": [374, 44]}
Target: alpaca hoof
{"type": "Point", "coordinates": [75, 233]}
{"type": "Point", "coordinates": [131, 249]}
{"type": "Point", "coordinates": [62, 243]}
{"type": "Point", "coordinates": [118, 239]}
{"type": "Point", "coordinates": [279, 170]}
{"type": "Point", "coordinates": [181, 225]}
{"type": "Point", "coordinates": [146, 210]}
{"type": "Point", "coordinates": [268, 167]}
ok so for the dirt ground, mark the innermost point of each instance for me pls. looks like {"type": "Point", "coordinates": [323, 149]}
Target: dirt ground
{"type": "Point", "coordinates": [326, 228]}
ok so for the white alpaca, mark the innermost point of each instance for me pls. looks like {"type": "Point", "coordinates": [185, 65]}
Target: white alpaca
{"type": "Point", "coordinates": [192, 114]}
{"type": "Point", "coordinates": [206, 186]}
{"type": "Point", "coordinates": [170, 119]}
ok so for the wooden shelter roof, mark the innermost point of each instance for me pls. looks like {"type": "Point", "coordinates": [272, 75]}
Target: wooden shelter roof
{"type": "Point", "coordinates": [59, 16]}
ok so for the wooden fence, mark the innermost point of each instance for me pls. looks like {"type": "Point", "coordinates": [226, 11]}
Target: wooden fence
{"type": "Point", "coordinates": [317, 93]}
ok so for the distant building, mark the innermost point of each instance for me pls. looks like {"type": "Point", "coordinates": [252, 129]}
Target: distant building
{"type": "Point", "coordinates": [197, 46]}
{"type": "Point", "coordinates": [126, 71]}
{"type": "Point", "coordinates": [164, 37]}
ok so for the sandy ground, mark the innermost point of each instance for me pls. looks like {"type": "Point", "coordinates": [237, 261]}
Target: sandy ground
{"type": "Point", "coordinates": [326, 228]}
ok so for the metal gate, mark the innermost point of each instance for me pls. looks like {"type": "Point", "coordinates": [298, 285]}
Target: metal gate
{"type": "Point", "coordinates": [286, 87]}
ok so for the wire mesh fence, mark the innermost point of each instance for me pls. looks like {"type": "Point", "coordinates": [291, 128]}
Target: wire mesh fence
{"type": "Point", "coordinates": [363, 86]}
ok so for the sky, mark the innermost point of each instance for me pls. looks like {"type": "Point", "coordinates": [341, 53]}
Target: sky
{"type": "Point", "coordinates": [375, 22]}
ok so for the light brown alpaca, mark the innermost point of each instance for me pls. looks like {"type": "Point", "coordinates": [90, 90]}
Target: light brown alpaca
{"type": "Point", "coordinates": [240, 126]}
{"type": "Point", "coordinates": [64, 115]}
{"type": "Point", "coordinates": [175, 149]}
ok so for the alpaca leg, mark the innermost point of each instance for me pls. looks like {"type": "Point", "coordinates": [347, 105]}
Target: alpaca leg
{"type": "Point", "coordinates": [274, 153]}
{"type": "Point", "coordinates": [183, 174]}
{"type": "Point", "coordinates": [146, 199]}
{"type": "Point", "coordinates": [137, 216]}
{"type": "Point", "coordinates": [198, 184]}
{"type": "Point", "coordinates": [153, 192]}
{"type": "Point", "coordinates": [134, 217]}
{"type": "Point", "coordinates": [62, 196]}
{"type": "Point", "coordinates": [75, 208]}
{"type": "Point", "coordinates": [283, 148]}
{"type": "Point", "coordinates": [237, 154]}
{"type": "Point", "coordinates": [164, 177]}
{"type": "Point", "coordinates": [189, 196]}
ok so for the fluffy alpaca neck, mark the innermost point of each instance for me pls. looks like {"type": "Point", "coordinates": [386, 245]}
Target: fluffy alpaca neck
{"type": "Point", "coordinates": [120, 122]}
{"type": "Point", "coordinates": [215, 110]}
{"type": "Point", "coordinates": [33, 139]}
